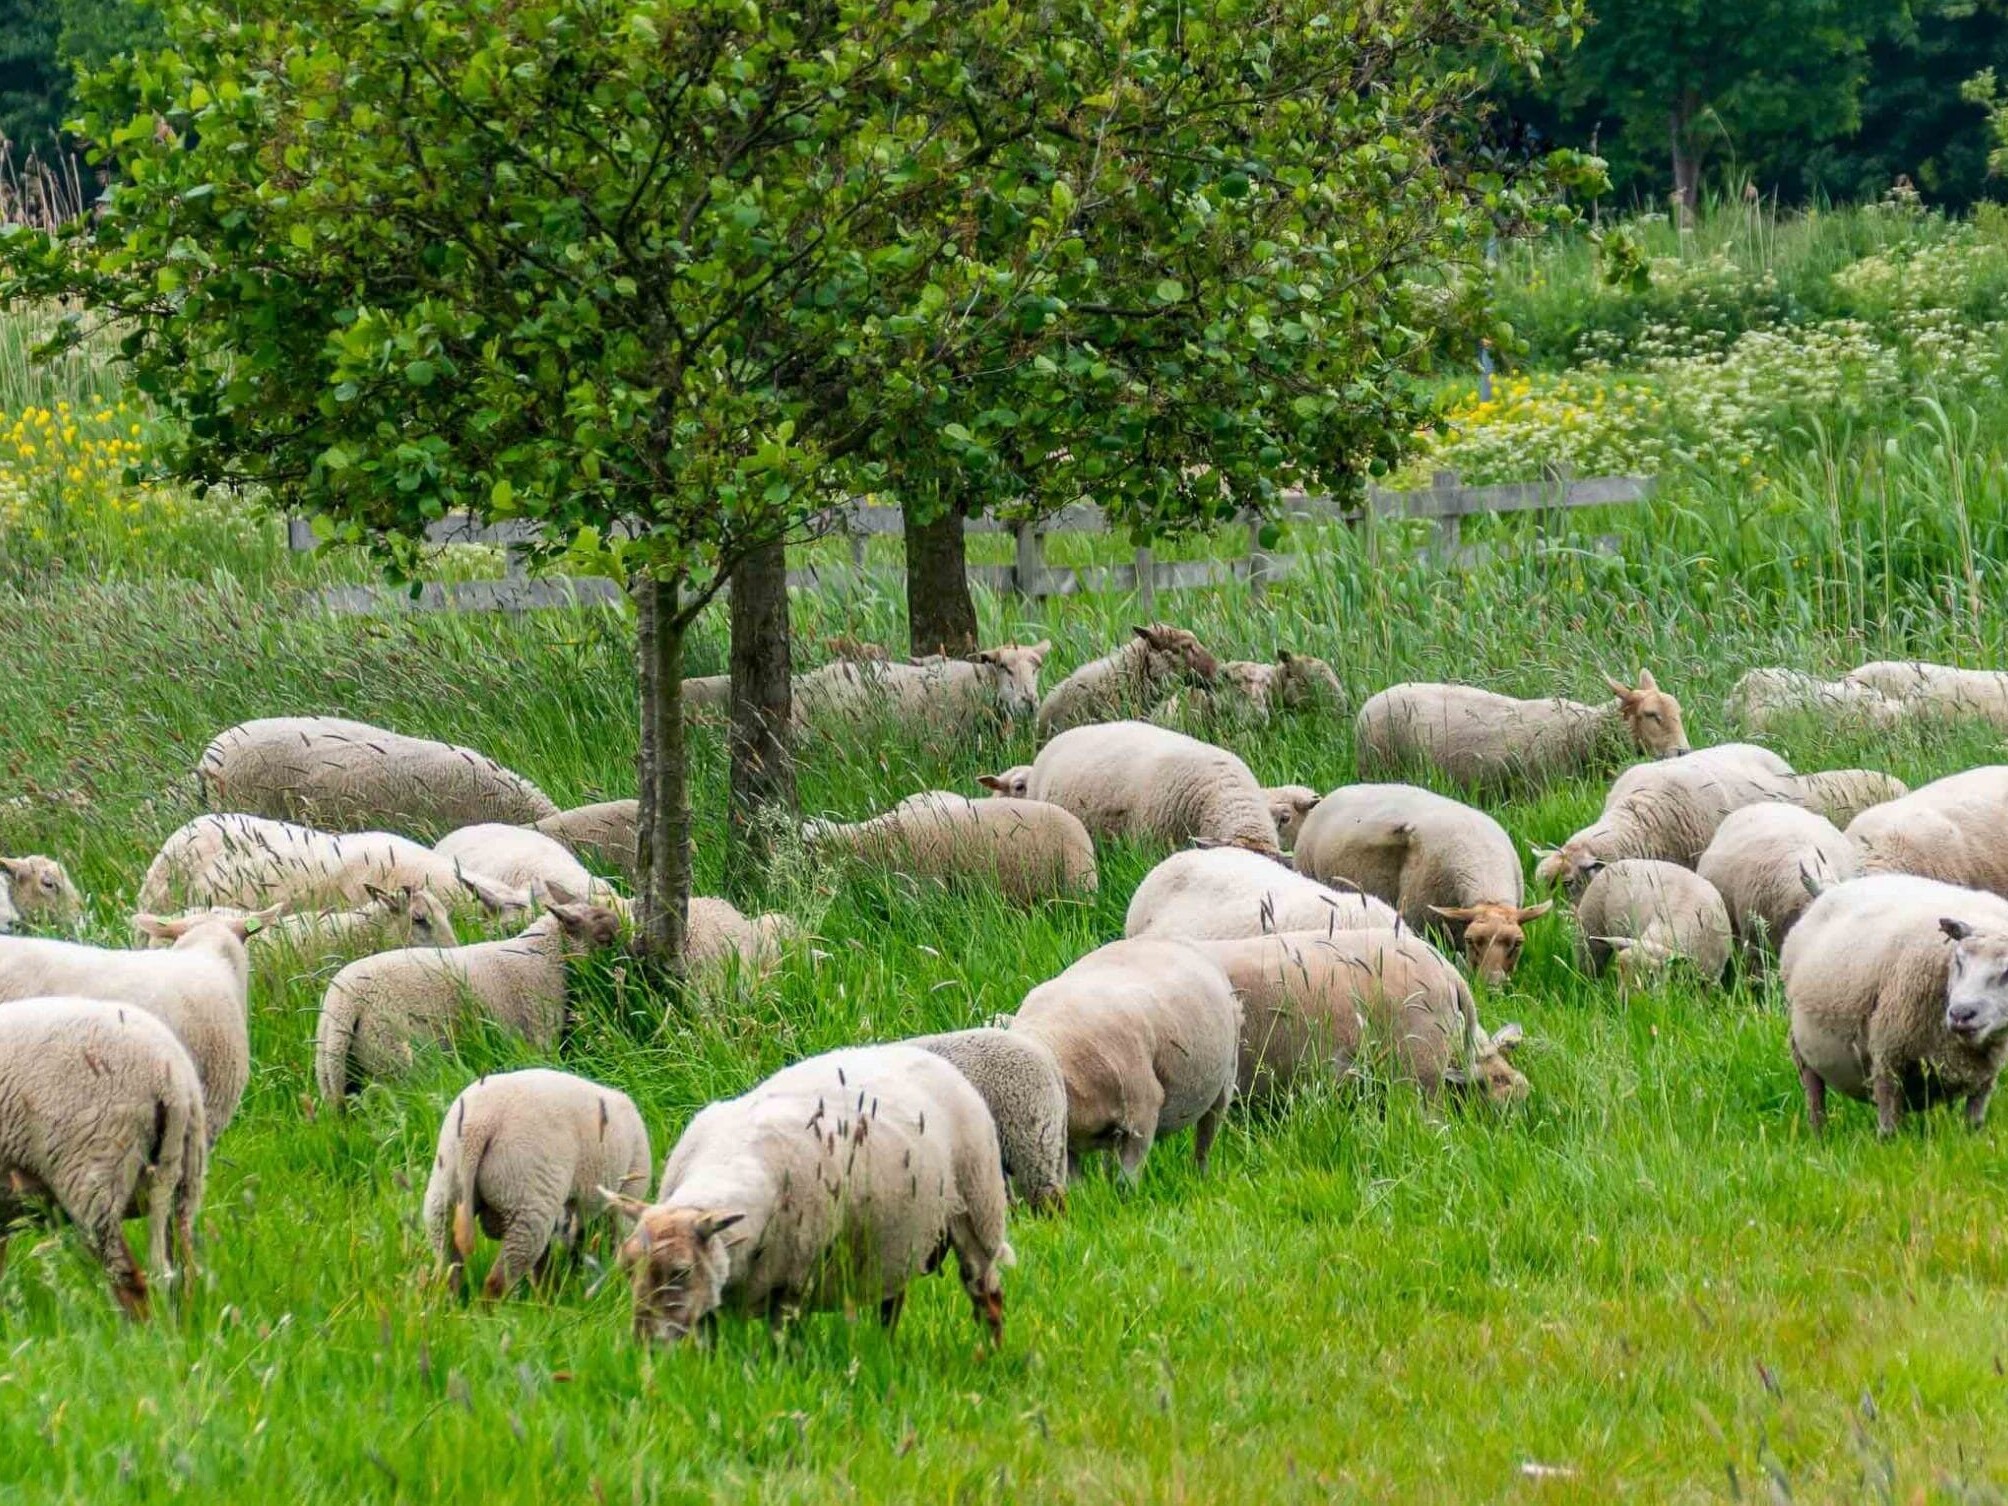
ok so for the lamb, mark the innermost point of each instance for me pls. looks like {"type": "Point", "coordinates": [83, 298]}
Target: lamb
{"type": "Point", "coordinates": [1443, 865]}
{"type": "Point", "coordinates": [395, 917]}
{"type": "Point", "coordinates": [605, 831]}
{"type": "Point", "coordinates": [376, 1008]}
{"type": "Point", "coordinates": [37, 889]}
{"type": "Point", "coordinates": [101, 1113]}
{"type": "Point", "coordinates": [1669, 811]}
{"type": "Point", "coordinates": [718, 932]}
{"type": "Point", "coordinates": [1954, 829]}
{"type": "Point", "coordinates": [1309, 1001]}
{"type": "Point", "coordinates": [1022, 1086]}
{"type": "Point", "coordinates": [989, 685]}
{"type": "Point", "coordinates": [526, 858]}
{"type": "Point", "coordinates": [1897, 991]}
{"type": "Point", "coordinates": [248, 861]}
{"type": "Point", "coordinates": [199, 989]}
{"type": "Point", "coordinates": [1289, 805]}
{"type": "Point", "coordinates": [1767, 862]}
{"type": "Point", "coordinates": [1939, 688]}
{"type": "Point", "coordinates": [1029, 849]}
{"type": "Point", "coordinates": [1647, 913]}
{"type": "Point", "coordinates": [1146, 1033]}
{"type": "Point", "coordinates": [1224, 892]}
{"type": "Point", "coordinates": [1479, 739]}
{"type": "Point", "coordinates": [1764, 699]}
{"type": "Point", "coordinates": [837, 1179]}
{"type": "Point", "coordinates": [1130, 679]}
{"type": "Point", "coordinates": [1133, 779]}
{"type": "Point", "coordinates": [524, 1154]}
{"type": "Point", "coordinates": [1843, 794]}
{"type": "Point", "coordinates": [349, 775]}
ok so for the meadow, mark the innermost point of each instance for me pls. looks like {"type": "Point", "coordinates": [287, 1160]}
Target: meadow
{"type": "Point", "coordinates": [1647, 1282]}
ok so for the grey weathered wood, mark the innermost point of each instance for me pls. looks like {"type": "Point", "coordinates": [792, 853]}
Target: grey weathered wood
{"type": "Point", "coordinates": [1146, 580]}
{"type": "Point", "coordinates": [471, 596]}
{"type": "Point", "coordinates": [1029, 568]}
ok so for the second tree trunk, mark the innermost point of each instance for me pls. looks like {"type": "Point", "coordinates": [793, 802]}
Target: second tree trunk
{"type": "Point", "coordinates": [761, 741]}
{"type": "Point", "coordinates": [941, 616]}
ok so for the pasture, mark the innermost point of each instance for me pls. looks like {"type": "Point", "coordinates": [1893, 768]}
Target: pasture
{"type": "Point", "coordinates": [1649, 1281]}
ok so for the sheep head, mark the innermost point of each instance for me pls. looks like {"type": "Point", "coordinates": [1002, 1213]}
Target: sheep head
{"type": "Point", "coordinates": [39, 886]}
{"type": "Point", "coordinates": [1652, 715]}
{"type": "Point", "coordinates": [588, 928]}
{"type": "Point", "coordinates": [1015, 783]}
{"type": "Point", "coordinates": [1976, 982]}
{"type": "Point", "coordinates": [1011, 670]}
{"type": "Point", "coordinates": [1491, 935]}
{"type": "Point", "coordinates": [1572, 865]}
{"type": "Point", "coordinates": [678, 1262]}
{"type": "Point", "coordinates": [1174, 654]}
{"type": "Point", "coordinates": [1304, 681]}
{"type": "Point", "coordinates": [1491, 1076]}
{"type": "Point", "coordinates": [1289, 805]}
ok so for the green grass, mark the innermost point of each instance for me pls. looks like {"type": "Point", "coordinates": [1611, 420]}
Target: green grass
{"type": "Point", "coordinates": [1651, 1277]}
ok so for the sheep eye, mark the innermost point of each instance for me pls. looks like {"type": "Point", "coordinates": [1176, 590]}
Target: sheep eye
{"type": "Point", "coordinates": [48, 881]}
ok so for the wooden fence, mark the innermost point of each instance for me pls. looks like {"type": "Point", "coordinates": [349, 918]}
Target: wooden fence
{"type": "Point", "coordinates": [1445, 503]}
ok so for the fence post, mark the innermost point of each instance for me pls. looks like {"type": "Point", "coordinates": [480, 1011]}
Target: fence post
{"type": "Point", "coordinates": [1258, 559]}
{"type": "Point", "coordinates": [1029, 568]}
{"type": "Point", "coordinates": [1449, 534]}
{"type": "Point", "coordinates": [1146, 580]}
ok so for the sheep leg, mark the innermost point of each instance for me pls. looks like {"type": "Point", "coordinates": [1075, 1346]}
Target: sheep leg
{"type": "Point", "coordinates": [1136, 1136]}
{"type": "Point", "coordinates": [526, 1239]}
{"type": "Point", "coordinates": [1976, 1106]}
{"type": "Point", "coordinates": [1889, 1100]}
{"type": "Point", "coordinates": [890, 1310]}
{"type": "Point", "coordinates": [128, 1280]}
{"type": "Point", "coordinates": [1209, 1126]}
{"type": "Point", "coordinates": [1815, 1088]}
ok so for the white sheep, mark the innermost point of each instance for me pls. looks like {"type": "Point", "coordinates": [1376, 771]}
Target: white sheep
{"type": "Point", "coordinates": [378, 1007]}
{"type": "Point", "coordinates": [1443, 865]}
{"type": "Point", "coordinates": [1646, 913]}
{"type": "Point", "coordinates": [936, 693]}
{"type": "Point", "coordinates": [101, 1112]}
{"type": "Point", "coordinates": [1954, 829]}
{"type": "Point", "coordinates": [349, 775]}
{"type": "Point", "coordinates": [1897, 991]}
{"type": "Point", "coordinates": [837, 1180]}
{"type": "Point", "coordinates": [1766, 698]}
{"type": "Point", "coordinates": [1029, 849]}
{"type": "Point", "coordinates": [38, 890]}
{"type": "Point", "coordinates": [719, 932]}
{"type": "Point", "coordinates": [1476, 737]}
{"type": "Point", "coordinates": [1223, 892]}
{"type": "Point", "coordinates": [605, 831]}
{"type": "Point", "coordinates": [1669, 811]}
{"type": "Point", "coordinates": [522, 1155]}
{"type": "Point", "coordinates": [1311, 1003]}
{"type": "Point", "coordinates": [526, 858]}
{"type": "Point", "coordinates": [1939, 689]}
{"type": "Point", "coordinates": [1843, 794]}
{"type": "Point", "coordinates": [1767, 862]}
{"type": "Point", "coordinates": [1132, 779]}
{"type": "Point", "coordinates": [1026, 1094]}
{"type": "Point", "coordinates": [250, 862]}
{"type": "Point", "coordinates": [393, 918]}
{"type": "Point", "coordinates": [1146, 1033]}
{"type": "Point", "coordinates": [198, 989]}
{"type": "Point", "coordinates": [1128, 680]}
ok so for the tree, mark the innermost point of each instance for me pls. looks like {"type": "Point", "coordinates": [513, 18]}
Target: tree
{"type": "Point", "coordinates": [41, 43]}
{"type": "Point", "coordinates": [668, 275]}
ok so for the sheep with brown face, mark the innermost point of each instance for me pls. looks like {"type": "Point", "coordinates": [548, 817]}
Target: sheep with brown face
{"type": "Point", "coordinates": [1478, 738]}
{"type": "Point", "coordinates": [1129, 680]}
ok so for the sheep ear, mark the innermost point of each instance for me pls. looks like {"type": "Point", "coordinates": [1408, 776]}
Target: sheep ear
{"type": "Point", "coordinates": [993, 782]}
{"type": "Point", "coordinates": [571, 916]}
{"type": "Point", "coordinates": [1147, 634]}
{"type": "Point", "coordinates": [1040, 649]}
{"type": "Point", "coordinates": [1453, 912]}
{"type": "Point", "coordinates": [1507, 1038]}
{"type": "Point", "coordinates": [1533, 912]}
{"type": "Point", "coordinates": [1284, 656]}
{"type": "Point", "coordinates": [620, 1202]}
{"type": "Point", "coordinates": [244, 927]}
{"type": "Point", "coordinates": [13, 867]}
{"type": "Point", "coordinates": [396, 900]}
{"type": "Point", "coordinates": [1646, 681]}
{"type": "Point", "coordinates": [1456, 1077]}
{"type": "Point", "coordinates": [553, 890]}
{"type": "Point", "coordinates": [1957, 930]}
{"type": "Point", "coordinates": [1617, 943]}
{"type": "Point", "coordinates": [714, 1224]}
{"type": "Point", "coordinates": [160, 930]}
{"type": "Point", "coordinates": [493, 895]}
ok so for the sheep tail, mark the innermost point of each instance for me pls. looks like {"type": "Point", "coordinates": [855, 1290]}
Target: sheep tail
{"type": "Point", "coordinates": [334, 1034]}
{"type": "Point", "coordinates": [463, 1202]}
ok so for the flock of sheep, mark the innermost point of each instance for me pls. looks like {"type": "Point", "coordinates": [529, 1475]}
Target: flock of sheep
{"type": "Point", "coordinates": [1289, 938]}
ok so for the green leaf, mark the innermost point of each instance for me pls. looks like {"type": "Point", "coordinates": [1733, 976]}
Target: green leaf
{"type": "Point", "coordinates": [1169, 290]}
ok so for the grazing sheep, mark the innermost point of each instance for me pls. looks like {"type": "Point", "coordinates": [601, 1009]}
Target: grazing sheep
{"type": "Point", "coordinates": [198, 989]}
{"type": "Point", "coordinates": [1766, 698]}
{"type": "Point", "coordinates": [1939, 689]}
{"type": "Point", "coordinates": [1027, 1096]}
{"type": "Point", "coordinates": [836, 1180]}
{"type": "Point", "coordinates": [1029, 849]}
{"type": "Point", "coordinates": [1767, 862]}
{"type": "Point", "coordinates": [1134, 779]}
{"type": "Point", "coordinates": [524, 1154]}
{"type": "Point", "coordinates": [1954, 829]}
{"type": "Point", "coordinates": [1843, 794]}
{"type": "Point", "coordinates": [39, 890]}
{"type": "Point", "coordinates": [248, 861]}
{"type": "Point", "coordinates": [398, 917]}
{"type": "Point", "coordinates": [705, 694]}
{"type": "Point", "coordinates": [1669, 811]}
{"type": "Point", "coordinates": [1128, 680]}
{"type": "Point", "coordinates": [1646, 913]}
{"type": "Point", "coordinates": [526, 858]}
{"type": "Point", "coordinates": [1897, 991]}
{"type": "Point", "coordinates": [605, 831]}
{"type": "Point", "coordinates": [349, 775]}
{"type": "Point", "coordinates": [992, 684]}
{"type": "Point", "coordinates": [1443, 865]}
{"type": "Point", "coordinates": [378, 1007]}
{"type": "Point", "coordinates": [1015, 783]}
{"type": "Point", "coordinates": [1146, 1033]}
{"type": "Point", "coordinates": [1289, 804]}
{"type": "Point", "coordinates": [101, 1113]}
{"type": "Point", "coordinates": [1224, 892]}
{"type": "Point", "coordinates": [719, 932]}
{"type": "Point", "coordinates": [1253, 690]}
{"type": "Point", "coordinates": [1478, 738]}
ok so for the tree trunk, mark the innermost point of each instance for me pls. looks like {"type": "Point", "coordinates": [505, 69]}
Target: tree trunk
{"type": "Point", "coordinates": [761, 740]}
{"type": "Point", "coordinates": [662, 842]}
{"type": "Point", "coordinates": [1686, 163]}
{"type": "Point", "coordinates": [941, 616]}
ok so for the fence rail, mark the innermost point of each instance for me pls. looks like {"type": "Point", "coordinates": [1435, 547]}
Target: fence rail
{"type": "Point", "coordinates": [1445, 503]}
